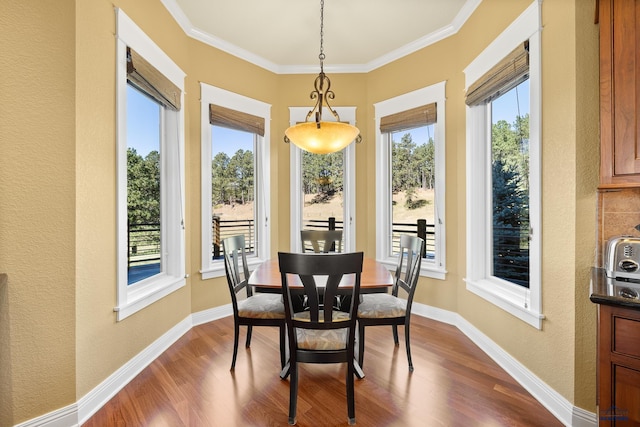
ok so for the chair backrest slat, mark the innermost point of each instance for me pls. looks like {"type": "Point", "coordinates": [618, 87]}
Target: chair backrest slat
{"type": "Point", "coordinates": [235, 263]}
{"type": "Point", "coordinates": [409, 263]}
{"type": "Point", "coordinates": [320, 275]}
{"type": "Point", "coordinates": [328, 238]}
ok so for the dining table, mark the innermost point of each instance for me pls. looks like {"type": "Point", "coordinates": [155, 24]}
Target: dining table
{"type": "Point", "coordinates": [375, 277]}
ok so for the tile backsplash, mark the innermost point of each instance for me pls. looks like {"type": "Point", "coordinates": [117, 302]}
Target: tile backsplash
{"type": "Point", "coordinates": [618, 214]}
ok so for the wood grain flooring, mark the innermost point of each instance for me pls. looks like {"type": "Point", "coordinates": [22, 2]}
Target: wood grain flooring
{"type": "Point", "coordinates": [454, 384]}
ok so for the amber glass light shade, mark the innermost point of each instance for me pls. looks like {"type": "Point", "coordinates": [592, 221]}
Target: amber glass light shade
{"type": "Point", "coordinates": [329, 138]}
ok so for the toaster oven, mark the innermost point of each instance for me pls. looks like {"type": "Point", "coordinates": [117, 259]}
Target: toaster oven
{"type": "Point", "coordinates": [623, 258]}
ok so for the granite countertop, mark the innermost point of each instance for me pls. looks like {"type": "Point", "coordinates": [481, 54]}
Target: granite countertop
{"type": "Point", "coordinates": [609, 291]}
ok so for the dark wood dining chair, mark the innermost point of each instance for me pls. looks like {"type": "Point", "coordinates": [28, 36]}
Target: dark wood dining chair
{"type": "Point", "coordinates": [257, 309]}
{"type": "Point", "coordinates": [319, 333]}
{"type": "Point", "coordinates": [392, 309]}
{"type": "Point", "coordinates": [321, 241]}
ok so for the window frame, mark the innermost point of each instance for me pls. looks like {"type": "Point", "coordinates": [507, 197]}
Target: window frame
{"type": "Point", "coordinates": [434, 93]}
{"type": "Point", "coordinates": [347, 114]}
{"type": "Point", "coordinates": [519, 301]}
{"type": "Point", "coordinates": [133, 298]}
{"type": "Point", "coordinates": [213, 95]}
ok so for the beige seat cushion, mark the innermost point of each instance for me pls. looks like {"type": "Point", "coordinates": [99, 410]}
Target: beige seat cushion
{"type": "Point", "coordinates": [316, 339]}
{"type": "Point", "coordinates": [377, 306]}
{"type": "Point", "coordinates": [262, 306]}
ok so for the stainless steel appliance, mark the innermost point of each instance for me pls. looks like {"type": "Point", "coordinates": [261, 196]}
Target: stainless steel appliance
{"type": "Point", "coordinates": [623, 258]}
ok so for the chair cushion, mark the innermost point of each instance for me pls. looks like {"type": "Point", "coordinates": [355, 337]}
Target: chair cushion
{"type": "Point", "coordinates": [378, 306]}
{"type": "Point", "coordinates": [318, 339]}
{"type": "Point", "coordinates": [262, 306]}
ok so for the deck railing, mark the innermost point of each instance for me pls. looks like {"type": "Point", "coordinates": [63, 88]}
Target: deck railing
{"type": "Point", "coordinates": [511, 249]}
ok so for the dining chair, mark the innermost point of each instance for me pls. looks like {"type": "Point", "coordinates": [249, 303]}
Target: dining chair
{"type": "Point", "coordinates": [257, 309]}
{"type": "Point", "coordinates": [390, 309]}
{"type": "Point", "coordinates": [319, 333]}
{"type": "Point", "coordinates": [321, 241]}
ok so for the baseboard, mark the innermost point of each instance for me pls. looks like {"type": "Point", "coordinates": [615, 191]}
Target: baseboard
{"type": "Point", "coordinates": [63, 417]}
{"type": "Point", "coordinates": [76, 414]}
{"type": "Point", "coordinates": [560, 407]}
{"type": "Point", "coordinates": [96, 398]}
{"type": "Point", "coordinates": [211, 314]}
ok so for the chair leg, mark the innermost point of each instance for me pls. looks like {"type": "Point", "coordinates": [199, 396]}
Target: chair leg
{"type": "Point", "coordinates": [394, 328]}
{"type": "Point", "coordinates": [236, 333]}
{"type": "Point", "coordinates": [249, 330]}
{"type": "Point", "coordinates": [408, 343]}
{"type": "Point", "coordinates": [293, 393]}
{"type": "Point", "coordinates": [360, 344]}
{"type": "Point", "coordinates": [283, 351]}
{"type": "Point", "coordinates": [351, 405]}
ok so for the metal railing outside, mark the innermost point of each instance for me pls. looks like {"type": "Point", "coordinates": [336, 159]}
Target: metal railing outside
{"type": "Point", "coordinates": [511, 254]}
{"type": "Point", "coordinates": [144, 239]}
{"type": "Point", "coordinates": [227, 228]}
{"type": "Point", "coordinates": [144, 244]}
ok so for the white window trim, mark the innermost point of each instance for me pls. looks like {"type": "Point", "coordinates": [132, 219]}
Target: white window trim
{"type": "Point", "coordinates": [435, 93]}
{"type": "Point", "coordinates": [521, 302]}
{"type": "Point", "coordinates": [347, 114]}
{"type": "Point", "coordinates": [214, 95]}
{"type": "Point", "coordinates": [134, 297]}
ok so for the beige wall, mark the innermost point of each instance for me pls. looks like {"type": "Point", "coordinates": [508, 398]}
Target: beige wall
{"type": "Point", "coordinates": [37, 208]}
{"type": "Point", "coordinates": [57, 235]}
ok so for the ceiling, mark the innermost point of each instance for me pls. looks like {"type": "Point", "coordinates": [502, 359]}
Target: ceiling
{"type": "Point", "coordinates": [283, 36]}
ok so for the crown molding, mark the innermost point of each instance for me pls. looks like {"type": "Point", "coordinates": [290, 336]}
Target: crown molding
{"type": "Point", "coordinates": [440, 34]}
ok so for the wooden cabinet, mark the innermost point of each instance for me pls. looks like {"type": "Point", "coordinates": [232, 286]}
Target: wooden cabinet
{"type": "Point", "coordinates": [619, 93]}
{"type": "Point", "coordinates": [618, 366]}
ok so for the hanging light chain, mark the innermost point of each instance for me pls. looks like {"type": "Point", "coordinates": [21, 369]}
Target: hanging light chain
{"type": "Point", "coordinates": [321, 56]}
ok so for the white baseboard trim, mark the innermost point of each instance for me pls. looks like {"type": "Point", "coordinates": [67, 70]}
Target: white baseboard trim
{"type": "Point", "coordinates": [560, 407]}
{"type": "Point", "coordinates": [211, 314]}
{"type": "Point", "coordinates": [96, 398]}
{"type": "Point", "coordinates": [63, 417]}
{"type": "Point", "coordinates": [78, 413]}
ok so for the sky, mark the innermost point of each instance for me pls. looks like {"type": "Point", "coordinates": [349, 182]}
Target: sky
{"type": "Point", "coordinates": [506, 107]}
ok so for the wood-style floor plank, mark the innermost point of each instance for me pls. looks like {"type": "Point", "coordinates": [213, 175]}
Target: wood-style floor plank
{"type": "Point", "coordinates": [454, 384]}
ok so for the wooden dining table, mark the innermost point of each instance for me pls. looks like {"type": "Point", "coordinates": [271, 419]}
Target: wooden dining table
{"type": "Point", "coordinates": [375, 277]}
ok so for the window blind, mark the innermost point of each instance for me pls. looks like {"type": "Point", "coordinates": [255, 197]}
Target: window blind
{"type": "Point", "coordinates": [233, 119]}
{"type": "Point", "coordinates": [504, 76]}
{"type": "Point", "coordinates": [420, 116]}
{"type": "Point", "coordinates": [148, 79]}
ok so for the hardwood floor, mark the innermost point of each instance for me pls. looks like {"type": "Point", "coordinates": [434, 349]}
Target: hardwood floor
{"type": "Point", "coordinates": [454, 384]}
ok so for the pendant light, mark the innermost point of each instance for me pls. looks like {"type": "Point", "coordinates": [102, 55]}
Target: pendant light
{"type": "Point", "coordinates": [321, 137]}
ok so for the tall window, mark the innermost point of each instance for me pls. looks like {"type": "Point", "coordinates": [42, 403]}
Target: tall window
{"type": "Point", "coordinates": [150, 141]}
{"type": "Point", "coordinates": [233, 198]}
{"type": "Point", "coordinates": [323, 190]}
{"type": "Point", "coordinates": [503, 170]}
{"type": "Point", "coordinates": [509, 226]}
{"type": "Point", "coordinates": [235, 177]}
{"type": "Point", "coordinates": [323, 186]}
{"type": "Point", "coordinates": [410, 175]}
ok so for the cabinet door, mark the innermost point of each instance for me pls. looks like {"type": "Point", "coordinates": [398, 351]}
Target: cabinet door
{"type": "Point", "coordinates": [626, 411]}
{"type": "Point", "coordinates": [619, 92]}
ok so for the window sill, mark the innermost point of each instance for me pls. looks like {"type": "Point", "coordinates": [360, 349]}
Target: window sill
{"type": "Point", "coordinates": [147, 295]}
{"type": "Point", "coordinates": [217, 269]}
{"type": "Point", "coordinates": [506, 301]}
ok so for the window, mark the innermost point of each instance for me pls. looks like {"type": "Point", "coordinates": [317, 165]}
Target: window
{"type": "Point", "coordinates": [503, 170]}
{"type": "Point", "coordinates": [150, 153]}
{"type": "Point", "coordinates": [235, 176]}
{"type": "Point", "coordinates": [323, 186]}
{"type": "Point", "coordinates": [410, 185]}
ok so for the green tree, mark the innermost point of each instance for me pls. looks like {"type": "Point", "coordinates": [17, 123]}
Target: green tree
{"type": "Point", "coordinates": [143, 187]}
{"type": "Point", "coordinates": [219, 178]}
{"type": "Point", "coordinates": [322, 173]}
